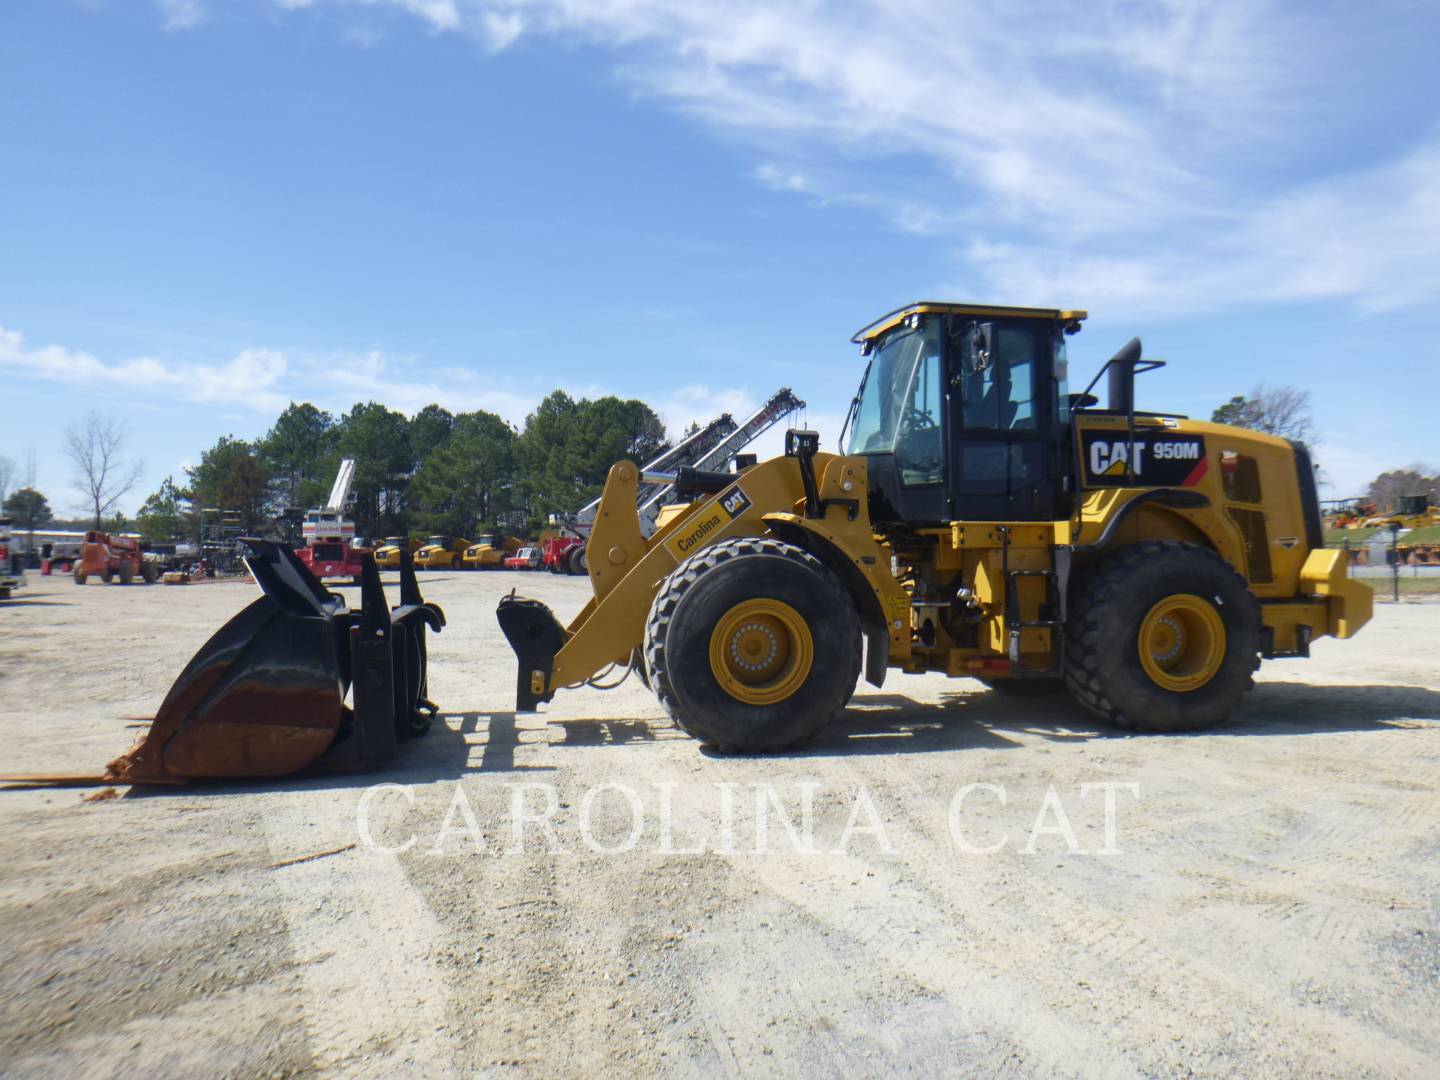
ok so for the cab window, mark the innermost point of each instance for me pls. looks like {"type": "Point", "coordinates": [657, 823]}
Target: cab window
{"type": "Point", "coordinates": [997, 377]}
{"type": "Point", "coordinates": [902, 389]}
{"type": "Point", "coordinates": [919, 445]}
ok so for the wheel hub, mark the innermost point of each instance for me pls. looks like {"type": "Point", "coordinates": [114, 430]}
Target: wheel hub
{"type": "Point", "coordinates": [761, 651]}
{"type": "Point", "coordinates": [754, 647]}
{"type": "Point", "coordinates": [1167, 639]}
{"type": "Point", "coordinates": [1182, 643]}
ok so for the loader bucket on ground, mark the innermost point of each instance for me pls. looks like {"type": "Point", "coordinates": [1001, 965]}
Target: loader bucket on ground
{"type": "Point", "coordinates": [267, 695]}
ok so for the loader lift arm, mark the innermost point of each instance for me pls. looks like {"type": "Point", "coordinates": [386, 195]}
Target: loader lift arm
{"type": "Point", "coordinates": [628, 569]}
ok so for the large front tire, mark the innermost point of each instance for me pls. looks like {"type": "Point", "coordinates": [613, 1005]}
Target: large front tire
{"type": "Point", "coordinates": [753, 646]}
{"type": "Point", "coordinates": [1162, 636]}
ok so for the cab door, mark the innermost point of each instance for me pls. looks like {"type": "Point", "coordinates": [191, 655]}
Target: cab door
{"type": "Point", "coordinates": [1003, 400]}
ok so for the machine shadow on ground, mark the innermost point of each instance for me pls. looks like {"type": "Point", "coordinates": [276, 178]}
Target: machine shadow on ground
{"type": "Point", "coordinates": [874, 724]}
{"type": "Point", "coordinates": [895, 723]}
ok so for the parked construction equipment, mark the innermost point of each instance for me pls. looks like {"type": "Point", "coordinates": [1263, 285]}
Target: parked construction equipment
{"type": "Point", "coordinates": [712, 446]}
{"type": "Point", "coordinates": [113, 558]}
{"type": "Point", "coordinates": [488, 554]}
{"type": "Point", "coordinates": [11, 576]}
{"type": "Point", "coordinates": [980, 521]}
{"type": "Point", "coordinates": [441, 553]}
{"type": "Point", "coordinates": [1413, 512]}
{"type": "Point", "coordinates": [387, 555]}
{"type": "Point", "coordinates": [576, 526]}
{"type": "Point", "coordinates": [564, 555]}
{"type": "Point", "coordinates": [527, 558]}
{"type": "Point", "coordinates": [330, 550]}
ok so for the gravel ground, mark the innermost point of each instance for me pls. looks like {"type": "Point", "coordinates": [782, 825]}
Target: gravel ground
{"type": "Point", "coordinates": [1268, 903]}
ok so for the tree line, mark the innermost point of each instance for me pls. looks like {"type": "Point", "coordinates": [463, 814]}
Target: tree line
{"type": "Point", "coordinates": [442, 472]}
{"type": "Point", "coordinates": [433, 472]}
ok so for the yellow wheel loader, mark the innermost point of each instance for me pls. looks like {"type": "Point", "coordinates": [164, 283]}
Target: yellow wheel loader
{"type": "Point", "coordinates": [980, 521]}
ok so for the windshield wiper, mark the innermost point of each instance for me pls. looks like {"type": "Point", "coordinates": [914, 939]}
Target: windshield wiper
{"type": "Point", "coordinates": [854, 406]}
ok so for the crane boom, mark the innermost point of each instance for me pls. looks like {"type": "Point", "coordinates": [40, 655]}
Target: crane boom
{"type": "Point", "coordinates": [781, 404]}
{"type": "Point", "coordinates": [708, 448]}
{"type": "Point", "coordinates": [344, 478]}
{"type": "Point", "coordinates": [686, 452]}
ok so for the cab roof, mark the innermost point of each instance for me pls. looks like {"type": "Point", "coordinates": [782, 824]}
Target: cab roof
{"type": "Point", "coordinates": [942, 307]}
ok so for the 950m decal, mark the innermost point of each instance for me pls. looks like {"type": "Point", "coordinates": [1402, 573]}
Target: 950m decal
{"type": "Point", "coordinates": [1151, 460]}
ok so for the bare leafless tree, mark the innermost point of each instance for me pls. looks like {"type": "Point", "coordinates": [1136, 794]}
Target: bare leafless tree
{"type": "Point", "coordinates": [7, 477]}
{"type": "Point", "coordinates": [1277, 410]}
{"type": "Point", "coordinates": [96, 446]}
{"type": "Point", "coordinates": [1387, 489]}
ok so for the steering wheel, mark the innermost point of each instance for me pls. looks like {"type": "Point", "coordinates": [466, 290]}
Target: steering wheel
{"type": "Point", "coordinates": [917, 419]}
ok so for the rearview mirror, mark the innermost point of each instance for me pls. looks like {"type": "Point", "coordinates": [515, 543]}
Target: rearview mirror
{"type": "Point", "coordinates": [978, 346]}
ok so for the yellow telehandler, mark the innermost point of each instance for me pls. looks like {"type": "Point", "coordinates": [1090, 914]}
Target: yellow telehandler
{"type": "Point", "coordinates": [980, 521]}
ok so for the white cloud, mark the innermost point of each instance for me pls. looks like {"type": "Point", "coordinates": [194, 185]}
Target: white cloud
{"type": "Point", "coordinates": [181, 14]}
{"type": "Point", "coordinates": [265, 381]}
{"type": "Point", "coordinates": [502, 31]}
{"type": "Point", "coordinates": [364, 37]}
{"type": "Point", "coordinates": [1371, 238]}
{"type": "Point", "coordinates": [251, 378]}
{"type": "Point", "coordinates": [337, 381]}
{"type": "Point", "coordinates": [1129, 152]}
{"type": "Point", "coordinates": [440, 14]}
{"type": "Point", "coordinates": [778, 179]}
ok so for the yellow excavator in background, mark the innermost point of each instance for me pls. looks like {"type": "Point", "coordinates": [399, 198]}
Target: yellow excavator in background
{"type": "Point", "coordinates": [980, 521]}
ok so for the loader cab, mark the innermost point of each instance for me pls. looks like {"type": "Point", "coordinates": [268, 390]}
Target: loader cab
{"type": "Point", "coordinates": [963, 414]}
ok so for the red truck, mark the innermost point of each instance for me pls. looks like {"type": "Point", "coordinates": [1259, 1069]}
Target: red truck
{"type": "Point", "coordinates": [527, 558]}
{"type": "Point", "coordinates": [330, 550]}
{"type": "Point", "coordinates": [333, 558]}
{"type": "Point", "coordinates": [110, 557]}
{"type": "Point", "coordinates": [565, 555]}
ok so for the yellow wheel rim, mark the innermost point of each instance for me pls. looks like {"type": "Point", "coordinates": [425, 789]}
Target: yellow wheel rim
{"type": "Point", "coordinates": [761, 651]}
{"type": "Point", "coordinates": [1182, 643]}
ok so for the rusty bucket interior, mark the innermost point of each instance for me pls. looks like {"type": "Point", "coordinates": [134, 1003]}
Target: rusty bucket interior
{"type": "Point", "coordinates": [296, 682]}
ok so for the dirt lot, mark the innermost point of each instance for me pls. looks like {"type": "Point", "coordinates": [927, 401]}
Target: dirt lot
{"type": "Point", "coordinates": [1272, 905]}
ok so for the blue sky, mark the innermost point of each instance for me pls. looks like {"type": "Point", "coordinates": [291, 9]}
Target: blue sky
{"type": "Point", "coordinates": [209, 208]}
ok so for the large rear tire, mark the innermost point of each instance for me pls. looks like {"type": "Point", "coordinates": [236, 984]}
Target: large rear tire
{"type": "Point", "coordinates": [80, 576]}
{"type": "Point", "coordinates": [1162, 636]}
{"type": "Point", "coordinates": [753, 646]}
{"type": "Point", "coordinates": [106, 576]}
{"type": "Point", "coordinates": [149, 573]}
{"type": "Point", "coordinates": [127, 573]}
{"type": "Point", "coordinates": [577, 562]}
